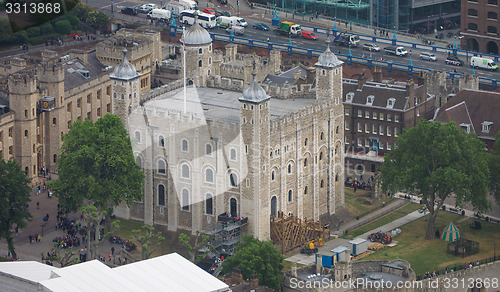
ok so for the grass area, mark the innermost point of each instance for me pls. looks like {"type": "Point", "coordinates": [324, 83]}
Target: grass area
{"type": "Point", "coordinates": [430, 255]}
{"type": "Point", "coordinates": [399, 213]}
{"type": "Point", "coordinates": [359, 203]}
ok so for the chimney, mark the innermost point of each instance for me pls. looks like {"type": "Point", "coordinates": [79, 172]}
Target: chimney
{"type": "Point", "coordinates": [80, 54]}
{"type": "Point", "coordinates": [254, 282]}
{"type": "Point", "coordinates": [377, 75]}
{"type": "Point", "coordinates": [361, 79]}
{"type": "Point", "coordinates": [236, 277]}
{"type": "Point", "coordinates": [311, 74]}
{"type": "Point", "coordinates": [410, 89]}
{"type": "Point", "coordinates": [422, 77]}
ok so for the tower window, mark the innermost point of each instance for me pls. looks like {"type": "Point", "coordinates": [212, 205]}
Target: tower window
{"type": "Point", "coordinates": [138, 136]}
{"type": "Point", "coordinates": [209, 175]}
{"type": "Point", "coordinates": [161, 141]}
{"type": "Point", "coordinates": [322, 183]}
{"type": "Point", "coordinates": [233, 179]}
{"type": "Point", "coordinates": [200, 63]}
{"type": "Point", "coordinates": [233, 154]}
{"type": "Point", "coordinates": [185, 171]}
{"type": "Point", "coordinates": [289, 168]}
{"type": "Point", "coordinates": [184, 145]}
{"type": "Point", "coordinates": [209, 209]}
{"type": "Point", "coordinates": [25, 133]}
{"type": "Point", "coordinates": [305, 142]}
{"type": "Point", "coordinates": [208, 149]}
{"type": "Point", "coordinates": [305, 190]}
{"type": "Point", "coordinates": [272, 175]}
{"type": "Point", "coordinates": [54, 121]}
{"type": "Point", "coordinates": [161, 166]}
{"type": "Point", "coordinates": [161, 195]}
{"type": "Point", "coordinates": [185, 200]}
{"type": "Point", "coordinates": [290, 196]}
{"type": "Point", "coordinates": [200, 51]}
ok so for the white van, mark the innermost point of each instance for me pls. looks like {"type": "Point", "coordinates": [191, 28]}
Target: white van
{"type": "Point", "coordinates": [483, 63]}
{"type": "Point", "coordinates": [236, 29]}
{"type": "Point", "coordinates": [240, 21]}
{"type": "Point", "coordinates": [225, 21]}
{"type": "Point", "coordinates": [160, 14]}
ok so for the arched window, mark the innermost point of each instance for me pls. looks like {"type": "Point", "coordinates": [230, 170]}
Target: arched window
{"type": "Point", "coordinates": [305, 142]}
{"type": "Point", "coordinates": [209, 204]}
{"type": "Point", "coordinates": [321, 136]}
{"type": "Point", "coordinates": [272, 175]}
{"type": "Point", "coordinates": [233, 179]}
{"type": "Point", "coordinates": [55, 158]}
{"type": "Point", "coordinates": [492, 15]}
{"type": "Point", "coordinates": [209, 175]}
{"type": "Point", "coordinates": [123, 96]}
{"type": "Point", "coordinates": [290, 195]}
{"type": "Point", "coordinates": [472, 26]}
{"type": "Point", "coordinates": [321, 156]}
{"type": "Point", "coordinates": [138, 136]}
{"type": "Point", "coordinates": [337, 130]}
{"type": "Point", "coordinates": [233, 154]}
{"type": "Point", "coordinates": [336, 149]}
{"type": "Point", "coordinates": [200, 63]}
{"type": "Point", "coordinates": [26, 169]}
{"type": "Point", "coordinates": [185, 171]}
{"type": "Point", "coordinates": [492, 29]}
{"type": "Point", "coordinates": [25, 133]}
{"type": "Point", "coordinates": [274, 205]}
{"type": "Point", "coordinates": [54, 121]}
{"type": "Point", "coordinates": [138, 160]}
{"type": "Point", "coordinates": [185, 200]}
{"type": "Point", "coordinates": [208, 149]}
{"type": "Point", "coordinates": [184, 145]}
{"type": "Point", "coordinates": [161, 195]}
{"type": "Point", "coordinates": [472, 12]}
{"type": "Point", "coordinates": [161, 141]}
{"type": "Point", "coordinates": [336, 177]}
{"type": "Point", "coordinates": [305, 190]}
{"type": "Point", "coordinates": [289, 168]}
{"type": "Point", "coordinates": [200, 51]}
{"type": "Point", "coordinates": [322, 184]}
{"type": "Point", "coordinates": [161, 166]}
{"type": "Point", "coordinates": [305, 162]}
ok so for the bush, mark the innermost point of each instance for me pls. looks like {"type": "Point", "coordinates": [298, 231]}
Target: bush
{"type": "Point", "coordinates": [33, 32]}
{"type": "Point", "coordinates": [74, 20]}
{"type": "Point", "coordinates": [46, 29]}
{"type": "Point", "coordinates": [63, 27]}
{"type": "Point", "coordinates": [39, 40]}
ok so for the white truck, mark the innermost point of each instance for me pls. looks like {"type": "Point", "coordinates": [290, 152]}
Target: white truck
{"type": "Point", "coordinates": [227, 21]}
{"type": "Point", "coordinates": [398, 51]}
{"type": "Point", "coordinates": [189, 4]}
{"type": "Point", "coordinates": [160, 14]}
{"type": "Point", "coordinates": [175, 8]}
{"type": "Point", "coordinates": [483, 63]}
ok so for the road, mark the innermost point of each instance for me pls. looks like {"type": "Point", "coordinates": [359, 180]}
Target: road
{"type": "Point", "coordinates": [254, 16]}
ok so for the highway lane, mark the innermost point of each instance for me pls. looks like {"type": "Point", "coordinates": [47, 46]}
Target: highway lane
{"type": "Point", "coordinates": [320, 44]}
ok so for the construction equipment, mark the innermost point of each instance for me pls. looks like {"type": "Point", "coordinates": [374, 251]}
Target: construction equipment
{"type": "Point", "coordinates": [309, 248]}
{"type": "Point", "coordinates": [344, 39]}
{"type": "Point", "coordinates": [380, 237]}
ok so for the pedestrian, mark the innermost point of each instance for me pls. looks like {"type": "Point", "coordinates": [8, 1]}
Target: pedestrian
{"type": "Point", "coordinates": [39, 238]}
{"type": "Point", "coordinates": [36, 237]}
{"type": "Point", "coordinates": [31, 238]}
{"type": "Point", "coordinates": [37, 205]}
{"type": "Point", "coordinates": [112, 250]}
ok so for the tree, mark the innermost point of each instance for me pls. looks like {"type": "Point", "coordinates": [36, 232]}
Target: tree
{"type": "Point", "coordinates": [96, 19]}
{"type": "Point", "coordinates": [97, 164]}
{"type": "Point", "coordinates": [184, 239]}
{"type": "Point", "coordinates": [14, 199]}
{"type": "Point", "coordinates": [148, 239]}
{"type": "Point", "coordinates": [63, 27]}
{"type": "Point", "coordinates": [253, 256]}
{"type": "Point", "coordinates": [64, 256]}
{"type": "Point", "coordinates": [436, 160]}
{"type": "Point", "coordinates": [91, 217]}
{"type": "Point", "coordinates": [494, 164]}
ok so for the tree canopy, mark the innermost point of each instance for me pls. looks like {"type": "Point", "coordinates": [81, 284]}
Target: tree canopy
{"type": "Point", "coordinates": [434, 161]}
{"type": "Point", "coordinates": [97, 164]}
{"type": "Point", "coordinates": [184, 239]}
{"type": "Point", "coordinates": [14, 199]}
{"type": "Point", "coordinates": [148, 239]}
{"type": "Point", "coordinates": [253, 256]}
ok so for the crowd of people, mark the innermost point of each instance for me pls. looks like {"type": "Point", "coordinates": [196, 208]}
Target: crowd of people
{"type": "Point", "coordinates": [359, 184]}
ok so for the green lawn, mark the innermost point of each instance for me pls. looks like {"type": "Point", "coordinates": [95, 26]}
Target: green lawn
{"type": "Point", "coordinates": [359, 203]}
{"type": "Point", "coordinates": [427, 256]}
{"type": "Point", "coordinates": [399, 213]}
{"type": "Point", "coordinates": [125, 231]}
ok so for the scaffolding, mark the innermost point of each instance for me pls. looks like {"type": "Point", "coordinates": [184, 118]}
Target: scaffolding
{"type": "Point", "coordinates": [291, 232]}
{"type": "Point", "coordinates": [226, 234]}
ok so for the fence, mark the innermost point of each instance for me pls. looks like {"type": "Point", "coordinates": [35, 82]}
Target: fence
{"type": "Point", "coordinates": [457, 267]}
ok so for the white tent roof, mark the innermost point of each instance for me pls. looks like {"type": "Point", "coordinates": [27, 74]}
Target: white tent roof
{"type": "Point", "coordinates": [357, 240]}
{"type": "Point", "coordinates": [28, 270]}
{"type": "Point", "coordinates": [178, 272]}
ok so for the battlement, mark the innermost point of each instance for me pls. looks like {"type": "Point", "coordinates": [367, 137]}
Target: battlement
{"type": "Point", "coordinates": [301, 114]}
{"type": "Point", "coordinates": [23, 83]}
{"type": "Point", "coordinates": [160, 91]}
{"type": "Point", "coordinates": [50, 72]}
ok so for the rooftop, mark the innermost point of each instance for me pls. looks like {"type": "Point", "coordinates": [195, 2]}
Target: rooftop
{"type": "Point", "coordinates": [77, 73]}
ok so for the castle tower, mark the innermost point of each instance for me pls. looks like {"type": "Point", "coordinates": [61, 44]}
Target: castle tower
{"type": "Point", "coordinates": [23, 97]}
{"type": "Point", "coordinates": [52, 124]}
{"type": "Point", "coordinates": [198, 54]}
{"type": "Point", "coordinates": [125, 89]}
{"type": "Point", "coordinates": [329, 88]}
{"type": "Point", "coordinates": [255, 130]}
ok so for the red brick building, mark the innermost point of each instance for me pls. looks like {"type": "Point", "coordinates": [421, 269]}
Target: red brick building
{"type": "Point", "coordinates": [480, 26]}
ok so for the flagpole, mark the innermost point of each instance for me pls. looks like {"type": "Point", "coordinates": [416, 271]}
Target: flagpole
{"type": "Point", "coordinates": [184, 61]}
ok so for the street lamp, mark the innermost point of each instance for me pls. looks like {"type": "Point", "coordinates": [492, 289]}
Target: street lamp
{"type": "Point", "coordinates": [473, 72]}
{"type": "Point", "coordinates": [111, 6]}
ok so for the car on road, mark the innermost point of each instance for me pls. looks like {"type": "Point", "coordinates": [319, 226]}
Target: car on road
{"type": "Point", "coordinates": [236, 29]}
{"type": "Point", "coordinates": [222, 13]}
{"type": "Point", "coordinates": [454, 60]}
{"type": "Point", "coordinates": [146, 8]}
{"type": "Point", "coordinates": [209, 10]}
{"type": "Point", "coordinates": [428, 56]}
{"type": "Point", "coordinates": [223, 2]}
{"type": "Point", "coordinates": [371, 47]}
{"type": "Point", "coordinates": [129, 11]}
{"type": "Point", "coordinates": [309, 35]}
{"type": "Point", "coordinates": [261, 26]}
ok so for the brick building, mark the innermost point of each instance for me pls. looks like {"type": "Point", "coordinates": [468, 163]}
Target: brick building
{"type": "Point", "coordinates": [480, 26]}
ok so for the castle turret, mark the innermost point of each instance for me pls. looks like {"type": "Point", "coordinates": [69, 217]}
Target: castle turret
{"type": "Point", "coordinates": [255, 130]}
{"type": "Point", "coordinates": [198, 54]}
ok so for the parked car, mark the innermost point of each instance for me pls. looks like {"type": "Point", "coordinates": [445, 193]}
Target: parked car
{"type": "Point", "coordinates": [261, 26]}
{"type": "Point", "coordinates": [371, 47]}
{"type": "Point", "coordinates": [454, 60]}
{"type": "Point", "coordinates": [428, 56]}
{"type": "Point", "coordinates": [129, 11]}
{"type": "Point", "coordinates": [223, 2]}
{"type": "Point", "coordinates": [146, 8]}
{"type": "Point", "coordinates": [209, 10]}
{"type": "Point", "coordinates": [309, 35]}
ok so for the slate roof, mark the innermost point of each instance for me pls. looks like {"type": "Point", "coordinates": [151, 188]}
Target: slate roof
{"type": "Point", "coordinates": [72, 76]}
{"type": "Point", "coordinates": [380, 91]}
{"type": "Point", "coordinates": [473, 107]}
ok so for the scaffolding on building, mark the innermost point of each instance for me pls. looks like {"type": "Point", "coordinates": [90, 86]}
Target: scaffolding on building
{"type": "Point", "coordinates": [226, 233]}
